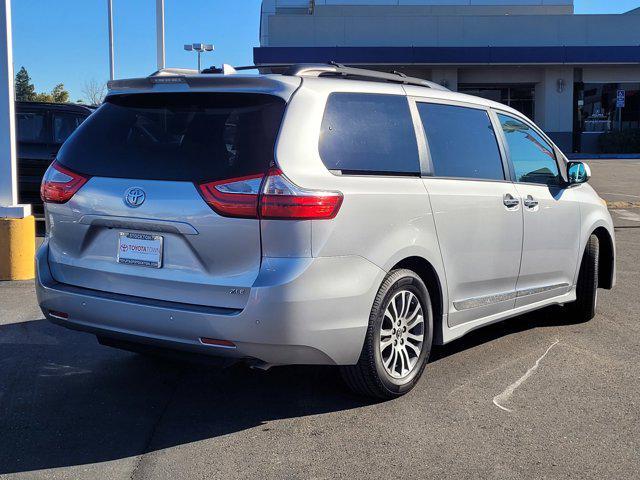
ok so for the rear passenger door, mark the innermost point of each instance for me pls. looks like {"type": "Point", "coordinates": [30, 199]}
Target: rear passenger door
{"type": "Point", "coordinates": [551, 214]}
{"type": "Point", "coordinates": [477, 213]}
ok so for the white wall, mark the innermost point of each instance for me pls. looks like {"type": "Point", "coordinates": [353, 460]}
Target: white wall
{"type": "Point", "coordinates": [621, 74]}
{"type": "Point", "coordinates": [304, 3]}
{"type": "Point", "coordinates": [370, 29]}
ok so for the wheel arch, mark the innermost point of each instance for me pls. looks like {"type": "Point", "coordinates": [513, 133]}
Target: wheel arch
{"type": "Point", "coordinates": [606, 258]}
{"type": "Point", "coordinates": [427, 272]}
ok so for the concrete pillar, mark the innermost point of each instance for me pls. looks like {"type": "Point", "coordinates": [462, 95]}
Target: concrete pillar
{"type": "Point", "coordinates": [17, 236]}
{"type": "Point", "coordinates": [447, 77]}
{"type": "Point", "coordinates": [554, 105]}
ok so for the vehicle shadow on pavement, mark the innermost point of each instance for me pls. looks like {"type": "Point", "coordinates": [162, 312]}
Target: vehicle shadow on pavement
{"type": "Point", "coordinates": [65, 400]}
{"type": "Point", "coordinates": [548, 317]}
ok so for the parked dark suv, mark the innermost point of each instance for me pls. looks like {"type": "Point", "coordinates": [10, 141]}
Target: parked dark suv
{"type": "Point", "coordinates": [41, 130]}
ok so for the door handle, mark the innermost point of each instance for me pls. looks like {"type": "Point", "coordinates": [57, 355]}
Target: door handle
{"type": "Point", "coordinates": [530, 202]}
{"type": "Point", "coordinates": [510, 201]}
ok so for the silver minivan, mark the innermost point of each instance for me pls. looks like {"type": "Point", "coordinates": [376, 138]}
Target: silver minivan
{"type": "Point", "coordinates": [324, 215]}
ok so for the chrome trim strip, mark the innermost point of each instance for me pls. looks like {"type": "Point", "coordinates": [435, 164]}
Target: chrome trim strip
{"type": "Point", "coordinates": [484, 301]}
{"type": "Point", "coordinates": [533, 291]}
{"type": "Point", "coordinates": [503, 297]}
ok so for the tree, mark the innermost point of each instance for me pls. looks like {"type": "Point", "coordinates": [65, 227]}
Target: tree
{"type": "Point", "coordinates": [59, 94]}
{"type": "Point", "coordinates": [25, 90]}
{"type": "Point", "coordinates": [94, 91]}
{"type": "Point", "coordinates": [43, 97]}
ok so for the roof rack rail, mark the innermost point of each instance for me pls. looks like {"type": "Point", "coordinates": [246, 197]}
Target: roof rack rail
{"type": "Point", "coordinates": [228, 69]}
{"type": "Point", "coordinates": [332, 68]}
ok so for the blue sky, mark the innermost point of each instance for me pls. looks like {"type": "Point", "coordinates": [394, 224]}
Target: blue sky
{"type": "Point", "coordinates": [66, 40]}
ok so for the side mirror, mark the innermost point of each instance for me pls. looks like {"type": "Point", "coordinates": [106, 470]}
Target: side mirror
{"type": "Point", "coordinates": [578, 172]}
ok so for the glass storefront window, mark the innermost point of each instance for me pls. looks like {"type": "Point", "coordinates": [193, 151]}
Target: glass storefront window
{"type": "Point", "coordinates": [519, 97]}
{"type": "Point", "coordinates": [597, 111]}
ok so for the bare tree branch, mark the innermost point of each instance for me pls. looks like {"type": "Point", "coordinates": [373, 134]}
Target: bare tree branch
{"type": "Point", "coordinates": [94, 91]}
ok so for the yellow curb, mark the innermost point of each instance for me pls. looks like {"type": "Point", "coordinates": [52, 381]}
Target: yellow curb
{"type": "Point", "coordinates": [615, 205]}
{"type": "Point", "coordinates": [17, 248]}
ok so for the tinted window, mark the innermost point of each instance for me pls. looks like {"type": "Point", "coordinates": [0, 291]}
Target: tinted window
{"type": "Point", "coordinates": [533, 158]}
{"type": "Point", "coordinates": [177, 136]}
{"type": "Point", "coordinates": [462, 142]}
{"type": "Point", "coordinates": [31, 127]}
{"type": "Point", "coordinates": [369, 133]}
{"type": "Point", "coordinates": [64, 124]}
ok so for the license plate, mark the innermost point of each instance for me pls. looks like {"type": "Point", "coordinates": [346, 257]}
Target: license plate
{"type": "Point", "coordinates": [140, 249]}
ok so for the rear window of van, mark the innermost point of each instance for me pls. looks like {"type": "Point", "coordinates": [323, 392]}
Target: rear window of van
{"type": "Point", "coordinates": [177, 136]}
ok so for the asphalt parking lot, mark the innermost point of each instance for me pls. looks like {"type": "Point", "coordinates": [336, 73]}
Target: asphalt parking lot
{"type": "Point", "coordinates": [534, 397]}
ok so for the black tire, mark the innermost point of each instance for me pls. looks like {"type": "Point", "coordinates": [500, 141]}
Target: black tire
{"type": "Point", "coordinates": [369, 377]}
{"type": "Point", "coordinates": [584, 308]}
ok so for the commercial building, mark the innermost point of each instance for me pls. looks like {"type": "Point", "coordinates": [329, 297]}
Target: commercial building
{"type": "Point", "coordinates": [561, 69]}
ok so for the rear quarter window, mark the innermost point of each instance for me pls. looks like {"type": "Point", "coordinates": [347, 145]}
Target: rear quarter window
{"type": "Point", "coordinates": [177, 136]}
{"type": "Point", "coordinates": [369, 134]}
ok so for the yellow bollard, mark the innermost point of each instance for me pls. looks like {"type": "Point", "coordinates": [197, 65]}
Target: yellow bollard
{"type": "Point", "coordinates": [17, 248]}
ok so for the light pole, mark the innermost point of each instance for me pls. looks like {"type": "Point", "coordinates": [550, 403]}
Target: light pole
{"type": "Point", "coordinates": [160, 34]}
{"type": "Point", "coordinates": [110, 17]}
{"type": "Point", "coordinates": [200, 48]}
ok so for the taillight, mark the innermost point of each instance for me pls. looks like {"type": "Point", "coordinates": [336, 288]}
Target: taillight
{"type": "Point", "coordinates": [279, 198]}
{"type": "Point", "coordinates": [236, 197]}
{"type": "Point", "coordinates": [282, 199]}
{"type": "Point", "coordinates": [59, 184]}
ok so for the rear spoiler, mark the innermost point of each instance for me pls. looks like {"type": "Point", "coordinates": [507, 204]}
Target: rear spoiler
{"type": "Point", "coordinates": [181, 80]}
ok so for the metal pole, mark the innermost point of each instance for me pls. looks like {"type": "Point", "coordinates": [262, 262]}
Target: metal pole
{"type": "Point", "coordinates": [199, 69]}
{"type": "Point", "coordinates": [160, 33]}
{"type": "Point", "coordinates": [620, 119]}
{"type": "Point", "coordinates": [110, 16]}
{"type": "Point", "coordinates": [8, 168]}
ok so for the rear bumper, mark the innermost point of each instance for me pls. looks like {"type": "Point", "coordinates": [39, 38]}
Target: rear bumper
{"type": "Point", "coordinates": [300, 311]}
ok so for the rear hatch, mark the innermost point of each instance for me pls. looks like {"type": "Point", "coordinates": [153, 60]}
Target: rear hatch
{"type": "Point", "coordinates": [139, 225]}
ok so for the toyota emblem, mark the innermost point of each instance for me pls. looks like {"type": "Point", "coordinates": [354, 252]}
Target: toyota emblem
{"type": "Point", "coordinates": [134, 197]}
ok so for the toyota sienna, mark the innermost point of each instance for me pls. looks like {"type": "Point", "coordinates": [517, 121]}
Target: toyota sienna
{"type": "Point", "coordinates": [324, 215]}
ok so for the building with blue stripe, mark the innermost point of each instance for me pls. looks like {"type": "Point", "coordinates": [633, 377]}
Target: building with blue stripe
{"type": "Point", "coordinates": [561, 69]}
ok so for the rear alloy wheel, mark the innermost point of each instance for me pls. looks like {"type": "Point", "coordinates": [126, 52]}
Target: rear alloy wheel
{"type": "Point", "coordinates": [402, 334]}
{"type": "Point", "coordinates": [398, 340]}
{"type": "Point", "coordinates": [584, 308]}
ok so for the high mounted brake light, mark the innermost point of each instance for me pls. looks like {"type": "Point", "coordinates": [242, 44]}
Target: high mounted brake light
{"type": "Point", "coordinates": [59, 184]}
{"type": "Point", "coordinates": [273, 196]}
{"type": "Point", "coordinates": [164, 80]}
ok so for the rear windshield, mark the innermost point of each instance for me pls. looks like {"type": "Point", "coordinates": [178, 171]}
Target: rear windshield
{"type": "Point", "coordinates": [177, 136]}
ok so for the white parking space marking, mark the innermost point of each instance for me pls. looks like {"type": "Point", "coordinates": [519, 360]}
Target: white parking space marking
{"type": "Point", "coordinates": [498, 400]}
